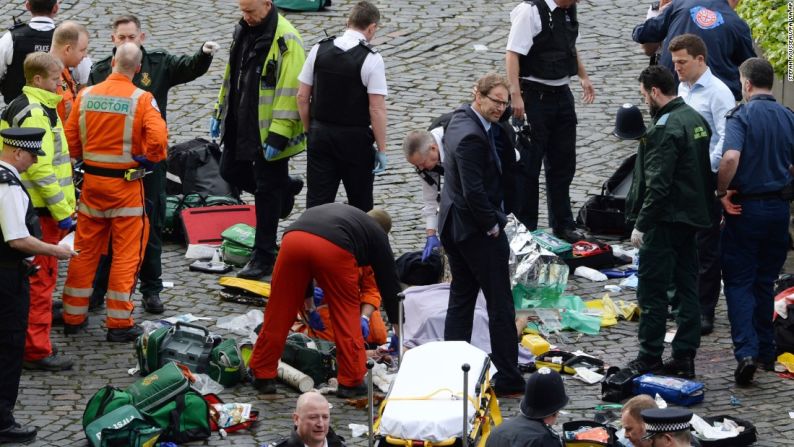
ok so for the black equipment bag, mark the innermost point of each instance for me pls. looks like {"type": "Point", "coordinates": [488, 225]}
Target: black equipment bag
{"type": "Point", "coordinates": [618, 384]}
{"type": "Point", "coordinates": [606, 213]}
{"type": "Point", "coordinates": [784, 331]}
{"type": "Point", "coordinates": [194, 168]}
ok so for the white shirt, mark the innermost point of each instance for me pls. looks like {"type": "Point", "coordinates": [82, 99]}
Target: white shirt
{"type": "Point", "coordinates": [712, 99]}
{"type": "Point", "coordinates": [373, 71]}
{"type": "Point", "coordinates": [525, 25]}
{"type": "Point", "coordinates": [13, 207]}
{"type": "Point", "coordinates": [430, 192]}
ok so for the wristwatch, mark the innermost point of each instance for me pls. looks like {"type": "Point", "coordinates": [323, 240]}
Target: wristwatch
{"type": "Point", "coordinates": [720, 194]}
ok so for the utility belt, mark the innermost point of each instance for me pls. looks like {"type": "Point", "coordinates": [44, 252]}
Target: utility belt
{"type": "Point", "coordinates": [540, 87]}
{"type": "Point", "coordinates": [129, 175]}
{"type": "Point", "coordinates": [786, 193]}
{"type": "Point", "coordinates": [24, 265]}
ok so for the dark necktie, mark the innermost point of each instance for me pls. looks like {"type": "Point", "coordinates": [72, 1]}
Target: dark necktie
{"type": "Point", "coordinates": [492, 139]}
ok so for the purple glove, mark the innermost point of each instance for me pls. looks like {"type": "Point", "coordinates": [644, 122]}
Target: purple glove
{"type": "Point", "coordinates": [66, 224]}
{"type": "Point", "coordinates": [394, 344]}
{"type": "Point", "coordinates": [365, 326]}
{"type": "Point", "coordinates": [316, 321]}
{"type": "Point", "coordinates": [144, 162]}
{"type": "Point", "coordinates": [431, 244]}
{"type": "Point", "coordinates": [318, 296]}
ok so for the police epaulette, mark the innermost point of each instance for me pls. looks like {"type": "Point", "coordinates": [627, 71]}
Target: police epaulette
{"type": "Point", "coordinates": [7, 177]}
{"type": "Point", "coordinates": [730, 113]}
{"type": "Point", "coordinates": [326, 39]}
{"type": "Point", "coordinates": [366, 45]}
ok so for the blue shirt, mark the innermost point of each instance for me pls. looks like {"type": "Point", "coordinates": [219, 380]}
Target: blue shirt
{"type": "Point", "coordinates": [763, 131]}
{"type": "Point", "coordinates": [712, 99]}
{"type": "Point", "coordinates": [727, 37]}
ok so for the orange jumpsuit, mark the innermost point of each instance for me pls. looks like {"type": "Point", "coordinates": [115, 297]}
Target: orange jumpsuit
{"type": "Point", "coordinates": [368, 291]}
{"type": "Point", "coordinates": [67, 88]}
{"type": "Point", "coordinates": [110, 123]}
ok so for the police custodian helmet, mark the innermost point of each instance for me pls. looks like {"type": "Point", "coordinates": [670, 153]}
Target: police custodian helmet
{"type": "Point", "coordinates": [629, 124]}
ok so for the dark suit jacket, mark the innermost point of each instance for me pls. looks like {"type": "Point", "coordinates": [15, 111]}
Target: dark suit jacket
{"type": "Point", "coordinates": [474, 189]}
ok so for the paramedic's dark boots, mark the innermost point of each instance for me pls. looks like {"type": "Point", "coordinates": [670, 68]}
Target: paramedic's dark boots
{"type": "Point", "coordinates": [73, 329]}
{"type": "Point", "coordinates": [348, 392]}
{"type": "Point", "coordinates": [706, 325]}
{"type": "Point", "coordinates": [18, 433]}
{"type": "Point", "coordinates": [255, 269]}
{"type": "Point", "coordinates": [54, 362]}
{"type": "Point", "coordinates": [265, 386]}
{"type": "Point", "coordinates": [125, 334]}
{"type": "Point", "coordinates": [57, 312]}
{"type": "Point", "coordinates": [680, 367]}
{"type": "Point", "coordinates": [152, 304]}
{"type": "Point", "coordinates": [745, 371]}
{"type": "Point", "coordinates": [570, 234]}
{"type": "Point", "coordinates": [294, 188]}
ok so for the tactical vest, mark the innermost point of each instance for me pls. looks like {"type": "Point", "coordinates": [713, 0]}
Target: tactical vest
{"type": "Point", "coordinates": [26, 40]}
{"type": "Point", "coordinates": [338, 95]}
{"type": "Point", "coordinates": [31, 220]}
{"type": "Point", "coordinates": [553, 52]}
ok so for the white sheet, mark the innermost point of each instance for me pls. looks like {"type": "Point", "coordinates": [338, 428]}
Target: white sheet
{"type": "Point", "coordinates": [424, 370]}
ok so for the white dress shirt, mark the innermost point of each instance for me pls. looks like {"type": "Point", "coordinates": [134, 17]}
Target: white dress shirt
{"type": "Point", "coordinates": [13, 207]}
{"type": "Point", "coordinates": [430, 193]}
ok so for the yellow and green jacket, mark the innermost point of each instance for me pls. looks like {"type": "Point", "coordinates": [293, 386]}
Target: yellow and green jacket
{"type": "Point", "coordinates": [278, 104]}
{"type": "Point", "coordinates": [49, 180]}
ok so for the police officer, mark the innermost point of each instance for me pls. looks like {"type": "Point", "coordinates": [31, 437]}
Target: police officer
{"type": "Point", "coordinates": [159, 72]}
{"type": "Point", "coordinates": [667, 427]}
{"type": "Point", "coordinates": [20, 229]}
{"type": "Point", "coordinates": [342, 102]}
{"type": "Point", "coordinates": [754, 185]}
{"type": "Point", "coordinates": [668, 203]}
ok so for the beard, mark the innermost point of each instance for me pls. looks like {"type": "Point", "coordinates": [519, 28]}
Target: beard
{"type": "Point", "coordinates": [653, 108]}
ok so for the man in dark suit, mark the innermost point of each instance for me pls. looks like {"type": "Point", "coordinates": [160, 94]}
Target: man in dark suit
{"type": "Point", "coordinates": [479, 161]}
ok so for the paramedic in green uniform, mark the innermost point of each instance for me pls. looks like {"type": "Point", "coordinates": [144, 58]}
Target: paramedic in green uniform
{"type": "Point", "coordinates": [159, 72]}
{"type": "Point", "coordinates": [667, 204]}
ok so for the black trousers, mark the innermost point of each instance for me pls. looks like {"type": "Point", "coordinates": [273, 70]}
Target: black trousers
{"type": "Point", "coordinates": [552, 117]}
{"type": "Point", "coordinates": [481, 262]}
{"type": "Point", "coordinates": [15, 299]}
{"type": "Point", "coordinates": [339, 153]}
{"type": "Point", "coordinates": [272, 181]}
{"type": "Point", "coordinates": [709, 273]}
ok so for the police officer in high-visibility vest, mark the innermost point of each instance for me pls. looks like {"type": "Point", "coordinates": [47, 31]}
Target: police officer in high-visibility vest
{"type": "Point", "coordinates": [118, 131]}
{"type": "Point", "coordinates": [19, 228]}
{"type": "Point", "coordinates": [342, 100]}
{"type": "Point", "coordinates": [49, 184]}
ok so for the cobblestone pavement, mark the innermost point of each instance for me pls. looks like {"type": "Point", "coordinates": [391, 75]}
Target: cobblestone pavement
{"type": "Point", "coordinates": [429, 50]}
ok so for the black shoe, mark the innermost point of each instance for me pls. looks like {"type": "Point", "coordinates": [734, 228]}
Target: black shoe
{"type": "Point", "coordinates": [57, 312]}
{"type": "Point", "coordinates": [570, 235]}
{"type": "Point", "coordinates": [125, 334]}
{"type": "Point", "coordinates": [96, 301]}
{"type": "Point", "coordinates": [294, 188]}
{"type": "Point", "coordinates": [767, 365]}
{"type": "Point", "coordinates": [349, 392]}
{"type": "Point", "coordinates": [72, 329]}
{"type": "Point", "coordinates": [152, 304]}
{"type": "Point", "coordinates": [644, 365]}
{"type": "Point", "coordinates": [54, 362]}
{"type": "Point", "coordinates": [706, 325]}
{"type": "Point", "coordinates": [680, 367]}
{"type": "Point", "coordinates": [255, 269]}
{"type": "Point", "coordinates": [18, 433]}
{"type": "Point", "coordinates": [745, 371]}
{"type": "Point", "coordinates": [265, 386]}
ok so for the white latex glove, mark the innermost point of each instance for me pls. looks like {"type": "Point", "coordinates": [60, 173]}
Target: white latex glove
{"type": "Point", "coordinates": [210, 47]}
{"type": "Point", "coordinates": [636, 238]}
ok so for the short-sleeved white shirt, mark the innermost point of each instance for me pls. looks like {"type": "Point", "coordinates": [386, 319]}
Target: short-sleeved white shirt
{"type": "Point", "coordinates": [13, 206]}
{"type": "Point", "coordinates": [525, 25]}
{"type": "Point", "coordinates": [373, 71]}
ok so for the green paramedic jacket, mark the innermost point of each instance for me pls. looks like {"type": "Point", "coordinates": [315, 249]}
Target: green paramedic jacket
{"type": "Point", "coordinates": [673, 182]}
{"type": "Point", "coordinates": [278, 107]}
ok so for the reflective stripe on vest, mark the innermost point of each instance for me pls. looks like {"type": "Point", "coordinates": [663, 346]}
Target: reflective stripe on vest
{"type": "Point", "coordinates": [110, 104]}
{"type": "Point", "coordinates": [132, 211]}
{"type": "Point", "coordinates": [22, 113]}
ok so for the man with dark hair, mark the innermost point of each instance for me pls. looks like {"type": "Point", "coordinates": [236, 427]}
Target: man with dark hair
{"type": "Point", "coordinates": [754, 185]}
{"type": "Point", "coordinates": [23, 39]}
{"type": "Point", "coordinates": [342, 101]}
{"type": "Point", "coordinates": [160, 71]}
{"type": "Point", "coordinates": [668, 204]}
{"type": "Point", "coordinates": [725, 34]}
{"type": "Point", "coordinates": [473, 214]}
{"type": "Point", "coordinates": [631, 419]}
{"type": "Point", "coordinates": [540, 59]}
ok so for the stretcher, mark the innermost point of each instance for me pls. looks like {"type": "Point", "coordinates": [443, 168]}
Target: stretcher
{"type": "Point", "coordinates": [441, 396]}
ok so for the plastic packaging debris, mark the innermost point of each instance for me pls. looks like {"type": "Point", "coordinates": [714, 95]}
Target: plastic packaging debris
{"type": "Point", "coordinates": [623, 253]}
{"type": "Point", "coordinates": [68, 240]}
{"type": "Point", "coordinates": [214, 265]}
{"type": "Point", "coordinates": [620, 272]}
{"type": "Point", "coordinates": [541, 274]}
{"type": "Point", "coordinates": [185, 318]}
{"type": "Point", "coordinates": [381, 377]}
{"type": "Point", "coordinates": [149, 326]}
{"type": "Point", "coordinates": [630, 282]}
{"type": "Point", "coordinates": [241, 324]}
{"type": "Point", "coordinates": [226, 415]}
{"type": "Point", "coordinates": [588, 273]}
{"type": "Point", "coordinates": [735, 401]}
{"type": "Point", "coordinates": [357, 430]}
{"type": "Point", "coordinates": [587, 375]}
{"type": "Point", "coordinates": [720, 430]}
{"type": "Point", "coordinates": [200, 251]}
{"type": "Point", "coordinates": [580, 321]}
{"type": "Point", "coordinates": [205, 385]}
{"type": "Point", "coordinates": [133, 371]}
{"type": "Point", "coordinates": [660, 402]}
{"type": "Point", "coordinates": [480, 47]}
{"type": "Point", "coordinates": [550, 319]}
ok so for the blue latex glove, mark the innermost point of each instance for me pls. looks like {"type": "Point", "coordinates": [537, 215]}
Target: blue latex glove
{"type": "Point", "coordinates": [394, 344]}
{"type": "Point", "coordinates": [271, 152]}
{"type": "Point", "coordinates": [380, 162]}
{"type": "Point", "coordinates": [144, 162]}
{"type": "Point", "coordinates": [318, 296]}
{"type": "Point", "coordinates": [215, 127]}
{"type": "Point", "coordinates": [316, 321]}
{"type": "Point", "coordinates": [431, 244]}
{"type": "Point", "coordinates": [364, 327]}
{"type": "Point", "coordinates": [66, 224]}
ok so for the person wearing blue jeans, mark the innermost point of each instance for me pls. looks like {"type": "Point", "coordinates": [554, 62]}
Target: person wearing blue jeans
{"type": "Point", "coordinates": [754, 181]}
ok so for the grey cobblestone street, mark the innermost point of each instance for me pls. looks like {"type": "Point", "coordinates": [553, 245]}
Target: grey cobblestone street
{"type": "Point", "coordinates": [429, 50]}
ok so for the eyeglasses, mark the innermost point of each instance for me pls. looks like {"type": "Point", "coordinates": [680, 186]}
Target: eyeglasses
{"type": "Point", "coordinates": [499, 103]}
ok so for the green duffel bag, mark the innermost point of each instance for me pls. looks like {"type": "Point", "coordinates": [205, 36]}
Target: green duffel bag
{"type": "Point", "coordinates": [124, 426]}
{"type": "Point", "coordinates": [104, 401]}
{"type": "Point", "coordinates": [147, 349]}
{"type": "Point", "coordinates": [159, 387]}
{"type": "Point", "coordinates": [185, 418]}
{"type": "Point", "coordinates": [238, 243]}
{"type": "Point", "coordinates": [314, 357]}
{"type": "Point", "coordinates": [235, 254]}
{"type": "Point", "coordinates": [226, 363]}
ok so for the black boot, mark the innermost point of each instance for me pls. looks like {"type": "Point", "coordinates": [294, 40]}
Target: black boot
{"type": "Point", "coordinates": [124, 334]}
{"type": "Point", "coordinates": [18, 433]}
{"type": "Point", "coordinates": [152, 304]}
{"type": "Point", "coordinates": [680, 367]}
{"type": "Point", "coordinates": [256, 269]}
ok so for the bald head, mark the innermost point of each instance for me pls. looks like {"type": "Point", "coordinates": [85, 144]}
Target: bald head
{"type": "Point", "coordinates": [312, 418]}
{"type": "Point", "coordinates": [70, 43]}
{"type": "Point", "coordinates": [309, 398]}
{"type": "Point", "coordinates": [127, 59]}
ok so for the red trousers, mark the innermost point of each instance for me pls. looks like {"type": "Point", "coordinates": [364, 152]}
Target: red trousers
{"type": "Point", "coordinates": [304, 256]}
{"type": "Point", "coordinates": [42, 285]}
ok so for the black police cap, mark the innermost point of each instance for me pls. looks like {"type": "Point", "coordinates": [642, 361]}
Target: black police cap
{"type": "Point", "coordinates": [25, 138]}
{"type": "Point", "coordinates": [665, 420]}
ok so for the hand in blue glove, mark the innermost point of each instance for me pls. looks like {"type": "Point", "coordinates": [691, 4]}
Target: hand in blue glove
{"type": "Point", "coordinates": [144, 162]}
{"type": "Point", "coordinates": [365, 326]}
{"type": "Point", "coordinates": [271, 152]}
{"type": "Point", "coordinates": [380, 162]}
{"type": "Point", "coordinates": [66, 224]}
{"type": "Point", "coordinates": [431, 244]}
{"type": "Point", "coordinates": [318, 296]}
{"type": "Point", "coordinates": [316, 321]}
{"type": "Point", "coordinates": [394, 344]}
{"type": "Point", "coordinates": [215, 127]}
